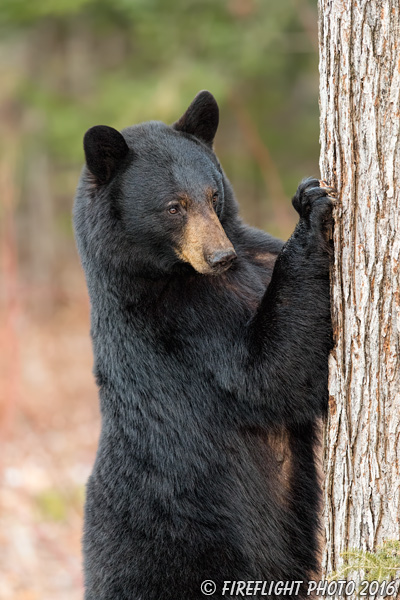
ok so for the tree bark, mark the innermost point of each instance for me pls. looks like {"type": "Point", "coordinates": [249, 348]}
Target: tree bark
{"type": "Point", "coordinates": [360, 129]}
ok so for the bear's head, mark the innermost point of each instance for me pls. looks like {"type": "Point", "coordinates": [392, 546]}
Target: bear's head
{"type": "Point", "coordinates": [153, 199]}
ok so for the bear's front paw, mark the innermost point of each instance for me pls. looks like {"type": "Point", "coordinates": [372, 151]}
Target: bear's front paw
{"type": "Point", "coordinates": [314, 201]}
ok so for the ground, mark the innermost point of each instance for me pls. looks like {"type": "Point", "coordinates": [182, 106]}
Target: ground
{"type": "Point", "coordinates": [50, 425]}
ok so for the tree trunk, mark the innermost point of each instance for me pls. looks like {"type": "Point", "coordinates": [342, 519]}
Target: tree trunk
{"type": "Point", "coordinates": [360, 129]}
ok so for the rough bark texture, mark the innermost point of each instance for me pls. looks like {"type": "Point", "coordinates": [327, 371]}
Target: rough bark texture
{"type": "Point", "coordinates": [360, 128]}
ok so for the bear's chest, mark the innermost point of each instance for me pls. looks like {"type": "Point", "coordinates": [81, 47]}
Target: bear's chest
{"type": "Point", "coordinates": [197, 304]}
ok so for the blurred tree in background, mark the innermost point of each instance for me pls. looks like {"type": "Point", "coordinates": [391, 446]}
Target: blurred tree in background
{"type": "Point", "coordinates": [69, 64]}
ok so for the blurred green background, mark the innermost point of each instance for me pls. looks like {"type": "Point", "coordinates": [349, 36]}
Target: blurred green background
{"type": "Point", "coordinates": [66, 65]}
{"type": "Point", "coordinates": [69, 64]}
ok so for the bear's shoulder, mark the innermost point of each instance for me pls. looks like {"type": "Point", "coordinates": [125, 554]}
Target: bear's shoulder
{"type": "Point", "coordinates": [257, 247]}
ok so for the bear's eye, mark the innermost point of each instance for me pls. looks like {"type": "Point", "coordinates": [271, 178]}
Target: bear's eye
{"type": "Point", "coordinates": [215, 198]}
{"type": "Point", "coordinates": [173, 210]}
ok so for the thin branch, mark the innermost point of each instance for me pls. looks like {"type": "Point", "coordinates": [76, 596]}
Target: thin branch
{"type": "Point", "coordinates": [263, 158]}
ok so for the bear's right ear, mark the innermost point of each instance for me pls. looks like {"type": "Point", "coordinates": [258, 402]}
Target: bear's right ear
{"type": "Point", "coordinates": [104, 149]}
{"type": "Point", "coordinates": [201, 118]}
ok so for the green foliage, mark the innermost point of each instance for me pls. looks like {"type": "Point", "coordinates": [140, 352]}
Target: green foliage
{"type": "Point", "coordinates": [382, 565]}
{"type": "Point", "coordinates": [72, 64]}
{"type": "Point", "coordinates": [166, 52]}
{"type": "Point", "coordinates": [54, 505]}
{"type": "Point", "coordinates": [25, 12]}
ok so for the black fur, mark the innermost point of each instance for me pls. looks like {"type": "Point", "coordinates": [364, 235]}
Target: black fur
{"type": "Point", "coordinates": [210, 386]}
{"type": "Point", "coordinates": [201, 118]}
{"type": "Point", "coordinates": [105, 148]}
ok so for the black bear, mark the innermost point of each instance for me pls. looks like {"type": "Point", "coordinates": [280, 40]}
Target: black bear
{"type": "Point", "coordinates": [211, 342]}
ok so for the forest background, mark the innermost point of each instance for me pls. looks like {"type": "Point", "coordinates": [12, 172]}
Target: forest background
{"type": "Point", "coordinates": [66, 65]}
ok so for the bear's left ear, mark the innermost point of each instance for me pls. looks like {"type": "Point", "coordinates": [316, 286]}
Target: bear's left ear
{"type": "Point", "coordinates": [104, 148]}
{"type": "Point", "coordinates": [201, 118]}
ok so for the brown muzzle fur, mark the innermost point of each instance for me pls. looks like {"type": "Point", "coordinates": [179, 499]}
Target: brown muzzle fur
{"type": "Point", "coordinates": [205, 244]}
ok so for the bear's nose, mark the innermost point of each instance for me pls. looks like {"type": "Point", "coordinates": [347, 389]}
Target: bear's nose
{"type": "Point", "coordinates": [221, 258]}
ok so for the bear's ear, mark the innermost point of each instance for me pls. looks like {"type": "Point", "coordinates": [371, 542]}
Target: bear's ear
{"type": "Point", "coordinates": [104, 149]}
{"type": "Point", "coordinates": [201, 118]}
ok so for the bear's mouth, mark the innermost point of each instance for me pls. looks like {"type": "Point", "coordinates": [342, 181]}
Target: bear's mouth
{"type": "Point", "coordinates": [211, 263]}
{"type": "Point", "coordinates": [221, 261]}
